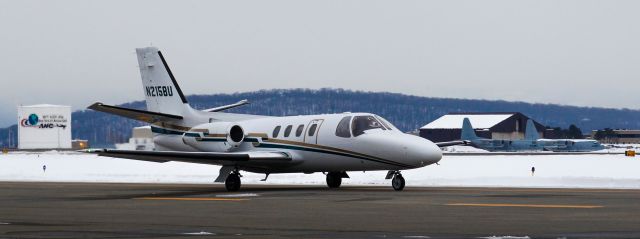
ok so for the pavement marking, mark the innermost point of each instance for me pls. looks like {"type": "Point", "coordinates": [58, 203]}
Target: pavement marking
{"type": "Point", "coordinates": [202, 233]}
{"type": "Point", "coordinates": [506, 189]}
{"type": "Point", "coordinates": [192, 199]}
{"type": "Point", "coordinates": [560, 190]}
{"type": "Point", "coordinates": [506, 237]}
{"type": "Point", "coordinates": [522, 205]}
{"type": "Point", "coordinates": [237, 195]}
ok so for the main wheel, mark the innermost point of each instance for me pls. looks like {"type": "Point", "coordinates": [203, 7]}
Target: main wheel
{"type": "Point", "coordinates": [334, 180]}
{"type": "Point", "coordinates": [232, 183]}
{"type": "Point", "coordinates": [397, 182]}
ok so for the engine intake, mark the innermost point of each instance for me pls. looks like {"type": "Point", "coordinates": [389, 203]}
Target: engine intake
{"type": "Point", "coordinates": [215, 137]}
{"type": "Point", "coordinates": [236, 133]}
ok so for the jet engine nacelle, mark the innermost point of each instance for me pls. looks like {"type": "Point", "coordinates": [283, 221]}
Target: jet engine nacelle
{"type": "Point", "coordinates": [215, 137]}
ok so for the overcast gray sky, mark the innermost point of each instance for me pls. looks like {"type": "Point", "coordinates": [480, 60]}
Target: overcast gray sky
{"type": "Point", "coordinates": [584, 53]}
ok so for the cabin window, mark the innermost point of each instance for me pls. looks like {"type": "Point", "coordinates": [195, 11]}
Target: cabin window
{"type": "Point", "coordinates": [343, 127]}
{"type": "Point", "coordinates": [299, 130]}
{"type": "Point", "coordinates": [276, 131]}
{"type": "Point", "coordinates": [363, 123]}
{"type": "Point", "coordinates": [287, 131]}
{"type": "Point", "coordinates": [312, 129]}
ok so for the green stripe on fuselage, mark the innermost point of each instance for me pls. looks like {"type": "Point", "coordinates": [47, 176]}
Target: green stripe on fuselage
{"type": "Point", "coordinates": [165, 131]}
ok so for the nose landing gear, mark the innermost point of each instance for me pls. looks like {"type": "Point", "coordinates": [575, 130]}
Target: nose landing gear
{"type": "Point", "coordinates": [397, 182]}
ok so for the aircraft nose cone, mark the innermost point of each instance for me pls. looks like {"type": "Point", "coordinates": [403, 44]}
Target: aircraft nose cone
{"type": "Point", "coordinates": [422, 152]}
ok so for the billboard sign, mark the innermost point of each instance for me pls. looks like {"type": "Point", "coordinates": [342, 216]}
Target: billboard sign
{"type": "Point", "coordinates": [48, 121]}
{"type": "Point", "coordinates": [44, 127]}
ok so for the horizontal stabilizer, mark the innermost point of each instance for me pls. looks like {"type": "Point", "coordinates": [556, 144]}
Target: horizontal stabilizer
{"type": "Point", "coordinates": [226, 107]}
{"type": "Point", "coordinates": [141, 115]}
{"type": "Point", "coordinates": [214, 158]}
{"type": "Point", "coordinates": [452, 143]}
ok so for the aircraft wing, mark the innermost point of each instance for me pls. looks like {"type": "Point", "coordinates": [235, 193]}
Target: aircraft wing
{"type": "Point", "coordinates": [141, 115]}
{"type": "Point", "coordinates": [452, 143]}
{"type": "Point", "coordinates": [214, 158]}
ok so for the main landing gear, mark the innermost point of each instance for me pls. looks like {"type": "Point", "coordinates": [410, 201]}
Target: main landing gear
{"type": "Point", "coordinates": [232, 183]}
{"type": "Point", "coordinates": [397, 181]}
{"type": "Point", "coordinates": [334, 179]}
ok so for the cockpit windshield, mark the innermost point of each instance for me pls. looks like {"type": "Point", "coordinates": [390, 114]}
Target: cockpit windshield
{"type": "Point", "coordinates": [364, 123]}
{"type": "Point", "coordinates": [386, 123]}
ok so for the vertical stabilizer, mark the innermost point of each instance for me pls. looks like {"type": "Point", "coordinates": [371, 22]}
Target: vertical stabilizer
{"type": "Point", "coordinates": [161, 90]}
{"type": "Point", "coordinates": [467, 130]}
{"type": "Point", "coordinates": [531, 132]}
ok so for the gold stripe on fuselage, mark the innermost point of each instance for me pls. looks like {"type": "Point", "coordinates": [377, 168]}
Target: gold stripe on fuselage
{"type": "Point", "coordinates": [206, 131]}
{"type": "Point", "coordinates": [259, 135]}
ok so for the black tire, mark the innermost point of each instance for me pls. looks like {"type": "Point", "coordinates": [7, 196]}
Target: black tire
{"type": "Point", "coordinates": [334, 180]}
{"type": "Point", "coordinates": [232, 183]}
{"type": "Point", "coordinates": [397, 182]}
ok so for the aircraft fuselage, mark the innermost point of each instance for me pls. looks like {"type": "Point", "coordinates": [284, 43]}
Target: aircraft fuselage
{"type": "Point", "coordinates": [311, 141]}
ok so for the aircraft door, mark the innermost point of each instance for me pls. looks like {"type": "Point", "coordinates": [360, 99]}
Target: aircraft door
{"type": "Point", "coordinates": [313, 128]}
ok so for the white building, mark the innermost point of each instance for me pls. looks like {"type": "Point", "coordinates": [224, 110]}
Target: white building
{"type": "Point", "coordinates": [141, 139]}
{"type": "Point", "coordinates": [44, 127]}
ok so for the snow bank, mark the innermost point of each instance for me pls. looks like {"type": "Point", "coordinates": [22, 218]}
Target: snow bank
{"type": "Point", "coordinates": [581, 171]}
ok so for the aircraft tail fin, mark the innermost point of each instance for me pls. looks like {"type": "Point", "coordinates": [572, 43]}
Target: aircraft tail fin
{"type": "Point", "coordinates": [161, 90]}
{"type": "Point", "coordinates": [531, 132]}
{"type": "Point", "coordinates": [467, 130]}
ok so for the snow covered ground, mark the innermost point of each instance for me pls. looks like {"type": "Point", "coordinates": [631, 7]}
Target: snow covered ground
{"type": "Point", "coordinates": [610, 149]}
{"type": "Point", "coordinates": [580, 171]}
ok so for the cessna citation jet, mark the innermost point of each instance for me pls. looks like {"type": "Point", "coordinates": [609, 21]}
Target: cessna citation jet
{"type": "Point", "coordinates": [328, 143]}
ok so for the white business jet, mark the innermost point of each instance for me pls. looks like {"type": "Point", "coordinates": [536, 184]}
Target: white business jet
{"type": "Point", "coordinates": [328, 143]}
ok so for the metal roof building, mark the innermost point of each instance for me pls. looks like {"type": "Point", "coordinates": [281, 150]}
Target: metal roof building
{"type": "Point", "coordinates": [500, 125]}
{"type": "Point", "coordinates": [619, 136]}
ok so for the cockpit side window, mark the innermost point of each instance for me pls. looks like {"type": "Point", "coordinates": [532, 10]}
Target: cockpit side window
{"type": "Point", "coordinates": [343, 127]}
{"type": "Point", "coordinates": [363, 123]}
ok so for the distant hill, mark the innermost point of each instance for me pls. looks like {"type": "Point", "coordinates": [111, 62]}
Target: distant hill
{"type": "Point", "coordinates": [405, 111]}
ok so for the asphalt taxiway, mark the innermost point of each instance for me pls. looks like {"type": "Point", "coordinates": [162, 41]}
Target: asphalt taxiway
{"type": "Point", "coordinates": [95, 210]}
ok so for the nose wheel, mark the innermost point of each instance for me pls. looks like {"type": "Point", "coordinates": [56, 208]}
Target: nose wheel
{"type": "Point", "coordinates": [397, 182]}
{"type": "Point", "coordinates": [232, 183]}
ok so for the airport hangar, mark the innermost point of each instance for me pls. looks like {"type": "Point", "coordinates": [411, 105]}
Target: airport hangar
{"type": "Point", "coordinates": [500, 125]}
{"type": "Point", "coordinates": [620, 136]}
